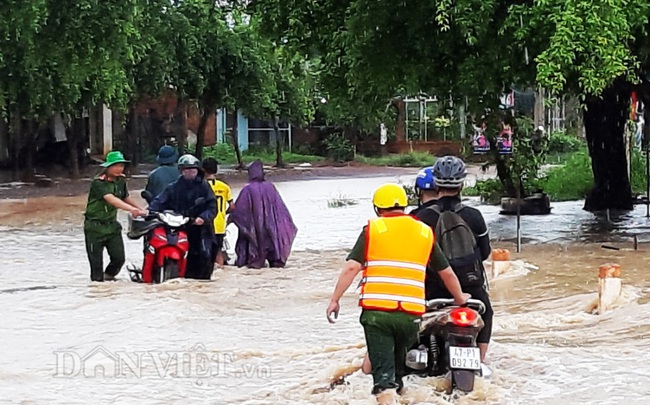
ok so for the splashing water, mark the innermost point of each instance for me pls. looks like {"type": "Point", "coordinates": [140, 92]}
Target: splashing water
{"type": "Point", "coordinates": [261, 337]}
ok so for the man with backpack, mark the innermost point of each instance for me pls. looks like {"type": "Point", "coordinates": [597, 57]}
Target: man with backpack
{"type": "Point", "coordinates": [461, 233]}
{"type": "Point", "coordinates": [395, 253]}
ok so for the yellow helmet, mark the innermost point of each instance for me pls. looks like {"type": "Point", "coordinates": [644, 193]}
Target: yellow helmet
{"type": "Point", "coordinates": [390, 195]}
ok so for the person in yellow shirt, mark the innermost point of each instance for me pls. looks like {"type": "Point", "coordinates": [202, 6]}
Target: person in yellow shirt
{"type": "Point", "coordinates": [225, 205]}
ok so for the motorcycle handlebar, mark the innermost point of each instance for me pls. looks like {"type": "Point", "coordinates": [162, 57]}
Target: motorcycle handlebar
{"type": "Point", "coordinates": [186, 214]}
{"type": "Point", "coordinates": [472, 303]}
{"type": "Point", "coordinates": [155, 215]}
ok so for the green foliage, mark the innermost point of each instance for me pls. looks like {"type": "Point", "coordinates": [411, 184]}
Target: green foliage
{"type": "Point", "coordinates": [224, 153]}
{"type": "Point", "coordinates": [366, 57]}
{"type": "Point", "coordinates": [523, 165]}
{"type": "Point", "coordinates": [369, 52]}
{"type": "Point", "coordinates": [304, 149]}
{"type": "Point", "coordinates": [580, 45]}
{"type": "Point", "coordinates": [339, 148]}
{"type": "Point", "coordinates": [412, 159]}
{"type": "Point", "coordinates": [528, 156]}
{"type": "Point", "coordinates": [572, 181]}
{"type": "Point", "coordinates": [490, 191]}
{"type": "Point", "coordinates": [61, 56]}
{"type": "Point", "coordinates": [410, 193]}
{"type": "Point", "coordinates": [154, 69]}
{"type": "Point", "coordinates": [560, 142]}
{"type": "Point", "coordinates": [638, 180]}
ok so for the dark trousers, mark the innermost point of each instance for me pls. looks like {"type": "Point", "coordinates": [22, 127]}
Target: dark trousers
{"type": "Point", "coordinates": [96, 241]}
{"type": "Point", "coordinates": [389, 335]}
{"type": "Point", "coordinates": [200, 260]}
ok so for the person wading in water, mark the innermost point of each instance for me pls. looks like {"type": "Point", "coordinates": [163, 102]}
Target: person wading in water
{"type": "Point", "coordinates": [396, 253]}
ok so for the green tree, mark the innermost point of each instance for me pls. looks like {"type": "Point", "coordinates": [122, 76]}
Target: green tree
{"type": "Point", "coordinates": [286, 89]}
{"type": "Point", "coordinates": [293, 101]}
{"type": "Point", "coordinates": [250, 81]}
{"type": "Point", "coordinates": [599, 52]}
{"type": "Point", "coordinates": [316, 29]}
{"type": "Point", "coordinates": [61, 57]}
{"type": "Point", "coordinates": [196, 28]}
{"type": "Point", "coordinates": [479, 49]}
{"type": "Point", "coordinates": [152, 72]}
{"type": "Point", "coordinates": [20, 64]}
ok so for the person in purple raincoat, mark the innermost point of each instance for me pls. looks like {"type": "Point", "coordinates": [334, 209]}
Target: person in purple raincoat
{"type": "Point", "coordinates": [266, 229]}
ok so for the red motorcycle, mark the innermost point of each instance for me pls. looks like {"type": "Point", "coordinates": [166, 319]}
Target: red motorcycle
{"type": "Point", "coordinates": [166, 244]}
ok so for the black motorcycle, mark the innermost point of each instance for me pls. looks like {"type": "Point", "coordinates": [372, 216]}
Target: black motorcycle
{"type": "Point", "coordinates": [447, 343]}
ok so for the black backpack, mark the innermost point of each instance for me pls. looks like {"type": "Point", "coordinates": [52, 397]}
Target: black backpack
{"type": "Point", "coordinates": [458, 243]}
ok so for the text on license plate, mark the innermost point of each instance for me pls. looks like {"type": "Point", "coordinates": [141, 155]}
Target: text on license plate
{"type": "Point", "coordinates": [468, 358]}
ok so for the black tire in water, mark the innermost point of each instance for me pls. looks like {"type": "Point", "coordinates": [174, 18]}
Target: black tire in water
{"type": "Point", "coordinates": [463, 380]}
{"type": "Point", "coordinates": [171, 269]}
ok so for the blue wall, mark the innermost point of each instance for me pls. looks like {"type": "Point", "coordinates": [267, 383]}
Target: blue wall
{"type": "Point", "coordinates": [242, 128]}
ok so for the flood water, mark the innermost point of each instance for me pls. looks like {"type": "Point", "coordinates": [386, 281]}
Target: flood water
{"type": "Point", "coordinates": [261, 336]}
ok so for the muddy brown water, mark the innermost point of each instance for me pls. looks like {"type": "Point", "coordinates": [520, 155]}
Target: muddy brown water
{"type": "Point", "coordinates": [261, 337]}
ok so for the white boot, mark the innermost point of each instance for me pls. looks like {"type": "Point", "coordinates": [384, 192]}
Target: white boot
{"type": "Point", "coordinates": [486, 372]}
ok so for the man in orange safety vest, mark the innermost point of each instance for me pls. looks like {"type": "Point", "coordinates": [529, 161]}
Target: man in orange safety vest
{"type": "Point", "coordinates": [395, 252]}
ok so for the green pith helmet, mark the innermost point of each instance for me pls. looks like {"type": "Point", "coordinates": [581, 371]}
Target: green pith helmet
{"type": "Point", "coordinates": [114, 157]}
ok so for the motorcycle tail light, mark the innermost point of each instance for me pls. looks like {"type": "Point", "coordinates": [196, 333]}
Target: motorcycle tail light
{"type": "Point", "coordinates": [463, 316]}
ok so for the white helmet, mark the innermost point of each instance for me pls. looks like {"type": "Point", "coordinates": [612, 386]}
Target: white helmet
{"type": "Point", "coordinates": [188, 162]}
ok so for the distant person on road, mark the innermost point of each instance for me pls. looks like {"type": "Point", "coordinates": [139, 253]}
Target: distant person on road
{"type": "Point", "coordinates": [108, 192]}
{"type": "Point", "coordinates": [266, 229]}
{"type": "Point", "coordinates": [166, 173]}
{"type": "Point", "coordinates": [223, 196]}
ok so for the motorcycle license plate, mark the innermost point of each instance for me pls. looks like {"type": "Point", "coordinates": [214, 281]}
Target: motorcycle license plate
{"type": "Point", "coordinates": [467, 358]}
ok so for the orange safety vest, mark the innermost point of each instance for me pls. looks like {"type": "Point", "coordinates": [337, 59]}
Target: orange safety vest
{"type": "Point", "coordinates": [397, 253]}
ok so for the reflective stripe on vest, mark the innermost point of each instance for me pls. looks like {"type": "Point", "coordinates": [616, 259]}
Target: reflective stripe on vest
{"type": "Point", "coordinates": [389, 263]}
{"type": "Point", "coordinates": [394, 280]}
{"type": "Point", "coordinates": [398, 251]}
{"type": "Point", "coordinates": [393, 298]}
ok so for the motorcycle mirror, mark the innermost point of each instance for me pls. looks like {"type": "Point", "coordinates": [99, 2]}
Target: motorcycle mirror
{"type": "Point", "coordinates": [148, 197]}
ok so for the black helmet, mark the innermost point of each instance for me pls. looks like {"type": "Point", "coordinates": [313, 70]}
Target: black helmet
{"type": "Point", "coordinates": [449, 172]}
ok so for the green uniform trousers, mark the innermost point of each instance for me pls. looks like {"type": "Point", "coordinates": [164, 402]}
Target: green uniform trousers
{"type": "Point", "coordinates": [100, 235]}
{"type": "Point", "coordinates": [389, 335]}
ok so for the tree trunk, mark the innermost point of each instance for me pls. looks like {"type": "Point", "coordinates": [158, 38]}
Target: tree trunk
{"type": "Point", "coordinates": [82, 142]}
{"type": "Point", "coordinates": [200, 136]}
{"type": "Point", "coordinates": [72, 133]}
{"type": "Point", "coordinates": [132, 137]}
{"type": "Point", "coordinates": [278, 143]}
{"type": "Point", "coordinates": [604, 121]}
{"type": "Point", "coordinates": [30, 149]}
{"type": "Point", "coordinates": [16, 135]}
{"type": "Point", "coordinates": [504, 174]}
{"type": "Point", "coordinates": [182, 114]}
{"type": "Point", "coordinates": [400, 126]}
{"type": "Point", "coordinates": [235, 142]}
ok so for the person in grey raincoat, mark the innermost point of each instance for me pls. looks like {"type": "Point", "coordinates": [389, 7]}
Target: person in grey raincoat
{"type": "Point", "coordinates": [166, 173]}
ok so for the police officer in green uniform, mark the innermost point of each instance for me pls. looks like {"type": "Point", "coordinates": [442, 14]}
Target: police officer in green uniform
{"type": "Point", "coordinates": [108, 192]}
